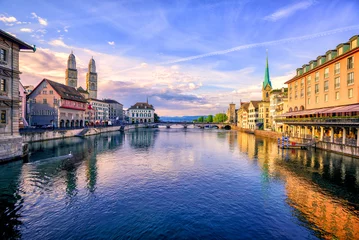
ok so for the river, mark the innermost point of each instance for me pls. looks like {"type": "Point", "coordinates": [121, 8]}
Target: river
{"type": "Point", "coordinates": [178, 183]}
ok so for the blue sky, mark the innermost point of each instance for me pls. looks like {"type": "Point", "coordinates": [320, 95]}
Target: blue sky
{"type": "Point", "coordinates": [175, 51]}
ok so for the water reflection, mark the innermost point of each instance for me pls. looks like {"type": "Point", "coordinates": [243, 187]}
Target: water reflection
{"type": "Point", "coordinates": [151, 183]}
{"type": "Point", "coordinates": [322, 187]}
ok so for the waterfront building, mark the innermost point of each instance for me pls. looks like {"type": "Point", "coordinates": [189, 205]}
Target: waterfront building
{"type": "Point", "coordinates": [90, 115]}
{"type": "Point", "coordinates": [242, 115]}
{"type": "Point", "coordinates": [56, 104]}
{"type": "Point", "coordinates": [324, 99]}
{"type": "Point", "coordinates": [141, 112]}
{"type": "Point", "coordinates": [278, 105]}
{"type": "Point", "coordinates": [22, 106]}
{"type": "Point", "coordinates": [10, 140]}
{"type": "Point", "coordinates": [91, 79]}
{"type": "Point", "coordinates": [231, 113]}
{"type": "Point", "coordinates": [115, 111]}
{"type": "Point", "coordinates": [71, 71]}
{"type": "Point", "coordinates": [263, 116]}
{"type": "Point", "coordinates": [101, 110]}
{"type": "Point", "coordinates": [253, 114]}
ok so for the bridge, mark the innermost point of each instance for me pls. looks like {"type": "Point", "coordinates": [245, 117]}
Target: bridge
{"type": "Point", "coordinates": [194, 124]}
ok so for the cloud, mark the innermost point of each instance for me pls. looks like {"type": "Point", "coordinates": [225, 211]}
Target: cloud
{"type": "Point", "coordinates": [59, 43]}
{"type": "Point", "coordinates": [41, 20]}
{"type": "Point", "coordinates": [66, 29]}
{"type": "Point", "coordinates": [289, 10]}
{"type": "Point", "coordinates": [7, 19]}
{"type": "Point", "coordinates": [111, 43]}
{"type": "Point", "coordinates": [262, 44]}
{"type": "Point", "coordinates": [43, 31]}
{"type": "Point", "coordinates": [26, 30]}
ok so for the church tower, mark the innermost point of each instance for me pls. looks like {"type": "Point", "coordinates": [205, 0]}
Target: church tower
{"type": "Point", "coordinates": [267, 85]}
{"type": "Point", "coordinates": [71, 71]}
{"type": "Point", "coordinates": [91, 79]}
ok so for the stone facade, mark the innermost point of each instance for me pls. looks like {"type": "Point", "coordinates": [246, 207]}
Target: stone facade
{"type": "Point", "coordinates": [91, 80]}
{"type": "Point", "coordinates": [115, 111]}
{"type": "Point", "coordinates": [10, 144]}
{"type": "Point", "coordinates": [141, 113]}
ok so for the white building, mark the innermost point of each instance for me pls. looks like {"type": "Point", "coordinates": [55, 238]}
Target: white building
{"type": "Point", "coordinates": [141, 113]}
{"type": "Point", "coordinates": [101, 110]}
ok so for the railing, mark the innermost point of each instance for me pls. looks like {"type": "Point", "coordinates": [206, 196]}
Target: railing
{"type": "Point", "coordinates": [326, 139]}
{"type": "Point", "coordinates": [351, 141]}
{"type": "Point", "coordinates": [349, 119]}
{"type": "Point", "coordinates": [338, 140]}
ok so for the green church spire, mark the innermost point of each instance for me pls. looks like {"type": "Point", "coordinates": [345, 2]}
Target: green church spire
{"type": "Point", "coordinates": [266, 75]}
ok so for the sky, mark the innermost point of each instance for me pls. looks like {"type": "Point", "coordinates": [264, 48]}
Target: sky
{"type": "Point", "coordinates": [187, 57]}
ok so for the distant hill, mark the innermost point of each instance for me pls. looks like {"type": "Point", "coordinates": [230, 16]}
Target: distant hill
{"type": "Point", "coordinates": [178, 119]}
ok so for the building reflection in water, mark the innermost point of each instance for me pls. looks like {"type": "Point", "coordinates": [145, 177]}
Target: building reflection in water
{"type": "Point", "coordinates": [143, 138]}
{"type": "Point", "coordinates": [321, 186]}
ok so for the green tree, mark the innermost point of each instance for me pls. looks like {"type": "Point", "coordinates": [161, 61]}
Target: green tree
{"type": "Point", "coordinates": [200, 119]}
{"type": "Point", "coordinates": [156, 118]}
{"type": "Point", "coordinates": [220, 117]}
{"type": "Point", "coordinates": [209, 118]}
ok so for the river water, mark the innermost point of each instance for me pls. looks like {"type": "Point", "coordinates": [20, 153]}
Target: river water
{"type": "Point", "coordinates": [178, 183]}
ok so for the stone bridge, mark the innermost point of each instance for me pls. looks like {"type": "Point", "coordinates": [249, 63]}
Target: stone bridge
{"type": "Point", "coordinates": [198, 125]}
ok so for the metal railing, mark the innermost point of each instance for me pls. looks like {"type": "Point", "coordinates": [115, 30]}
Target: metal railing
{"type": "Point", "coordinates": [350, 119]}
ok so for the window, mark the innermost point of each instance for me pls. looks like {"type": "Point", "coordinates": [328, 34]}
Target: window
{"type": "Point", "coordinates": [44, 101]}
{"type": "Point", "coordinates": [326, 86]}
{"type": "Point", "coordinates": [337, 68]}
{"type": "Point", "coordinates": [302, 82]}
{"type": "Point", "coordinates": [350, 62]}
{"type": "Point", "coordinates": [325, 97]}
{"type": "Point", "coordinates": [3, 116]}
{"type": "Point", "coordinates": [350, 92]}
{"type": "Point", "coordinates": [337, 82]}
{"type": "Point", "coordinates": [45, 85]}
{"type": "Point", "coordinates": [326, 73]}
{"type": "Point", "coordinates": [350, 80]}
{"type": "Point", "coordinates": [317, 99]}
{"type": "Point", "coordinates": [309, 79]}
{"type": "Point", "coordinates": [296, 94]}
{"type": "Point", "coordinates": [308, 91]}
{"type": "Point", "coordinates": [317, 77]}
{"type": "Point", "coordinates": [55, 101]}
{"type": "Point", "coordinates": [51, 92]}
{"type": "Point", "coordinates": [44, 92]}
{"type": "Point", "coordinates": [2, 85]}
{"type": "Point", "coordinates": [302, 92]}
{"type": "Point", "coordinates": [316, 88]}
{"type": "Point", "coordinates": [308, 101]}
{"type": "Point", "coordinates": [2, 55]}
{"type": "Point", "coordinates": [337, 95]}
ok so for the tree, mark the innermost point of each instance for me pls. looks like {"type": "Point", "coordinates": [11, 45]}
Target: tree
{"type": "Point", "coordinates": [220, 117]}
{"type": "Point", "coordinates": [156, 118]}
{"type": "Point", "coordinates": [200, 119]}
{"type": "Point", "coordinates": [209, 118]}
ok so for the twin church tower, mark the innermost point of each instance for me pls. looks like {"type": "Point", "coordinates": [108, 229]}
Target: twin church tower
{"type": "Point", "coordinates": [91, 76]}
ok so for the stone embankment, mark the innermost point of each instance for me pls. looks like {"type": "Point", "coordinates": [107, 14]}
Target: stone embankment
{"type": "Point", "coordinates": [11, 148]}
{"type": "Point", "coordinates": [44, 135]}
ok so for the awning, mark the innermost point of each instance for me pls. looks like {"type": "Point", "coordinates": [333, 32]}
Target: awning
{"type": "Point", "coordinates": [340, 109]}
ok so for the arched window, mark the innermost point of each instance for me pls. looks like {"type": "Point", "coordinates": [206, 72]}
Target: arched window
{"type": "Point", "coordinates": [295, 109]}
{"type": "Point", "coordinates": [266, 94]}
{"type": "Point", "coordinates": [301, 108]}
{"type": "Point", "coordinates": [290, 109]}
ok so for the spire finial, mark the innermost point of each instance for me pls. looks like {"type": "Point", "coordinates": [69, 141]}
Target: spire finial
{"type": "Point", "coordinates": [147, 99]}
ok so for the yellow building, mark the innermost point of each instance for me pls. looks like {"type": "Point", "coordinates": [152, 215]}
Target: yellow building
{"type": "Point", "coordinates": [323, 97]}
{"type": "Point", "coordinates": [242, 115]}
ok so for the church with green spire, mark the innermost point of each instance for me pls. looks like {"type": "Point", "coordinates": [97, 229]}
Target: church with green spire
{"type": "Point", "coordinates": [267, 85]}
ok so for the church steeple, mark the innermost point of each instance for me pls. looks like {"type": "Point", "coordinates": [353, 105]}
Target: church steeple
{"type": "Point", "coordinates": [267, 85]}
{"type": "Point", "coordinates": [71, 71]}
{"type": "Point", "coordinates": [91, 79]}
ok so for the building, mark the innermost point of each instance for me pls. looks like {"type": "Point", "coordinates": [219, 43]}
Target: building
{"type": "Point", "coordinates": [101, 110]}
{"type": "Point", "coordinates": [141, 113]}
{"type": "Point", "coordinates": [231, 113]}
{"type": "Point", "coordinates": [115, 111]}
{"type": "Point", "coordinates": [22, 106]}
{"type": "Point", "coordinates": [71, 71]}
{"type": "Point", "coordinates": [90, 115]}
{"type": "Point", "coordinates": [56, 104]}
{"type": "Point", "coordinates": [91, 79]}
{"type": "Point", "coordinates": [242, 115]}
{"type": "Point", "coordinates": [253, 109]}
{"type": "Point", "coordinates": [263, 122]}
{"type": "Point", "coordinates": [10, 140]}
{"type": "Point", "coordinates": [324, 99]}
{"type": "Point", "coordinates": [278, 105]}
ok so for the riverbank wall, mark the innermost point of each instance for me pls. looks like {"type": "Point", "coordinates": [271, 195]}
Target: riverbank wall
{"type": "Point", "coordinates": [11, 148]}
{"type": "Point", "coordinates": [344, 149]}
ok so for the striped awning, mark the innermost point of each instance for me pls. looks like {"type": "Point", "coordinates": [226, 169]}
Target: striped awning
{"type": "Point", "coordinates": [340, 109]}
